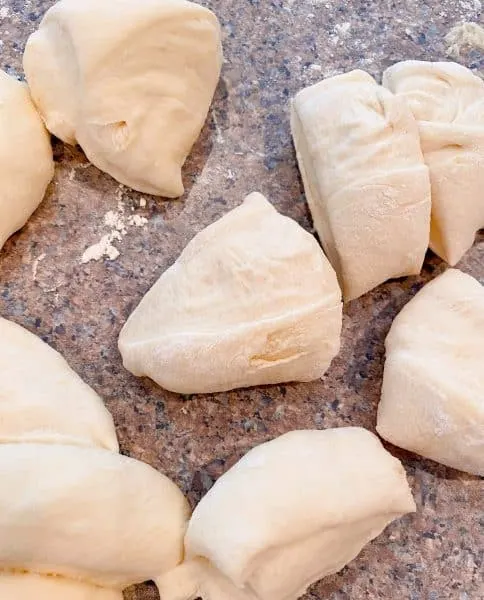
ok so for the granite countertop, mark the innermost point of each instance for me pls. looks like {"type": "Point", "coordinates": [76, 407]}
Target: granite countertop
{"type": "Point", "coordinates": [272, 48]}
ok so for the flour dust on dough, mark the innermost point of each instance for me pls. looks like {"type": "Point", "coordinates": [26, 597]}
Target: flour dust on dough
{"type": "Point", "coordinates": [290, 512]}
{"type": "Point", "coordinates": [365, 180]}
{"type": "Point", "coordinates": [131, 81]}
{"type": "Point", "coordinates": [252, 300]}
{"type": "Point", "coordinates": [26, 162]}
{"type": "Point", "coordinates": [432, 400]}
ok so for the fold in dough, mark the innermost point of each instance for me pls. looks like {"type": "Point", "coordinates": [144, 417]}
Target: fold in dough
{"type": "Point", "coordinates": [365, 179]}
{"type": "Point", "coordinates": [432, 399]}
{"type": "Point", "coordinates": [290, 512]}
{"type": "Point", "coordinates": [252, 300]}
{"type": "Point", "coordinates": [448, 102]}
{"type": "Point", "coordinates": [28, 586]}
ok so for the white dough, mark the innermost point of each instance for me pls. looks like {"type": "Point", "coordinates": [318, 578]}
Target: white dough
{"type": "Point", "coordinates": [432, 400]}
{"type": "Point", "coordinates": [252, 300]}
{"type": "Point", "coordinates": [448, 102]}
{"type": "Point", "coordinates": [365, 180]}
{"type": "Point", "coordinates": [87, 514]}
{"type": "Point", "coordinates": [28, 586]}
{"type": "Point", "coordinates": [131, 81]}
{"type": "Point", "coordinates": [43, 400]}
{"type": "Point", "coordinates": [26, 163]}
{"type": "Point", "coordinates": [290, 512]}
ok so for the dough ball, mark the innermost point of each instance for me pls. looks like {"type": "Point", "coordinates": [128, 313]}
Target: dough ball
{"type": "Point", "coordinates": [87, 514]}
{"type": "Point", "coordinates": [28, 586]}
{"type": "Point", "coordinates": [448, 101]}
{"type": "Point", "coordinates": [26, 163]}
{"type": "Point", "coordinates": [252, 300]}
{"type": "Point", "coordinates": [43, 400]}
{"type": "Point", "coordinates": [131, 81]}
{"type": "Point", "coordinates": [365, 179]}
{"type": "Point", "coordinates": [432, 400]}
{"type": "Point", "coordinates": [290, 512]}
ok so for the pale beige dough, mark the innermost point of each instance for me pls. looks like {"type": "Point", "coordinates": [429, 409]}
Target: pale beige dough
{"type": "Point", "coordinates": [290, 512]}
{"type": "Point", "coordinates": [131, 81]}
{"type": "Point", "coordinates": [28, 586]}
{"type": "Point", "coordinates": [432, 399]}
{"type": "Point", "coordinates": [26, 163]}
{"type": "Point", "coordinates": [365, 179]}
{"type": "Point", "coordinates": [447, 100]}
{"type": "Point", "coordinates": [252, 300]}
{"type": "Point", "coordinates": [43, 400]}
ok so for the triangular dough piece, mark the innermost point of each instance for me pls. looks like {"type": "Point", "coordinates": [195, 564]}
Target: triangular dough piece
{"type": "Point", "coordinates": [252, 300]}
{"type": "Point", "coordinates": [27, 586]}
{"type": "Point", "coordinates": [365, 179]}
{"type": "Point", "coordinates": [26, 162]}
{"type": "Point", "coordinates": [43, 400]}
{"type": "Point", "coordinates": [87, 514]}
{"type": "Point", "coordinates": [448, 102]}
{"type": "Point", "coordinates": [432, 400]}
{"type": "Point", "coordinates": [290, 512]}
{"type": "Point", "coordinates": [131, 81]}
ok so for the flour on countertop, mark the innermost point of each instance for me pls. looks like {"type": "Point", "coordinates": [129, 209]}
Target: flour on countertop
{"type": "Point", "coordinates": [118, 223]}
{"type": "Point", "coordinates": [470, 35]}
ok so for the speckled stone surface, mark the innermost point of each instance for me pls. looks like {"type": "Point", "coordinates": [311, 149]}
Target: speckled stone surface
{"type": "Point", "coordinates": [272, 48]}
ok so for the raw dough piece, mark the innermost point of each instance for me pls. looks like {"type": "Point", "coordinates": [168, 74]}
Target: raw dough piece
{"type": "Point", "coordinates": [27, 586]}
{"type": "Point", "coordinates": [448, 102]}
{"type": "Point", "coordinates": [131, 81]}
{"type": "Point", "coordinates": [87, 514]}
{"type": "Point", "coordinates": [432, 399]}
{"type": "Point", "coordinates": [26, 163]}
{"type": "Point", "coordinates": [43, 400]}
{"type": "Point", "coordinates": [365, 179]}
{"type": "Point", "coordinates": [288, 513]}
{"type": "Point", "coordinates": [252, 300]}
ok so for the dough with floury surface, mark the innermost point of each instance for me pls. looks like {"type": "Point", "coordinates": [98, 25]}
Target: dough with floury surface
{"type": "Point", "coordinates": [28, 586]}
{"type": "Point", "coordinates": [131, 81]}
{"type": "Point", "coordinates": [252, 300]}
{"type": "Point", "coordinates": [43, 400]}
{"type": "Point", "coordinates": [447, 100]}
{"type": "Point", "coordinates": [290, 512]}
{"type": "Point", "coordinates": [432, 399]}
{"type": "Point", "coordinates": [26, 162]}
{"type": "Point", "coordinates": [365, 179]}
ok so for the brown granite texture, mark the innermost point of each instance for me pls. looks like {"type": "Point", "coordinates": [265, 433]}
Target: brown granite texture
{"type": "Point", "coordinates": [272, 48]}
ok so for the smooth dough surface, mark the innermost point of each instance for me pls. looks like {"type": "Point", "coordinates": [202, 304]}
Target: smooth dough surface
{"type": "Point", "coordinates": [26, 162]}
{"type": "Point", "coordinates": [43, 400]}
{"type": "Point", "coordinates": [432, 400]}
{"type": "Point", "coordinates": [87, 514]}
{"type": "Point", "coordinates": [365, 179]}
{"type": "Point", "coordinates": [28, 586]}
{"type": "Point", "coordinates": [447, 100]}
{"type": "Point", "coordinates": [252, 300]}
{"type": "Point", "coordinates": [131, 81]}
{"type": "Point", "coordinates": [290, 512]}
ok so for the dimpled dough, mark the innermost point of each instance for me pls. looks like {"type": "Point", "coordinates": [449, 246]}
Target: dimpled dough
{"type": "Point", "coordinates": [131, 81]}
{"type": "Point", "coordinates": [365, 179]}
{"type": "Point", "coordinates": [448, 102]}
{"type": "Point", "coordinates": [26, 163]}
{"type": "Point", "coordinates": [290, 512]}
{"type": "Point", "coordinates": [77, 520]}
{"type": "Point", "coordinates": [432, 400]}
{"type": "Point", "coordinates": [252, 300]}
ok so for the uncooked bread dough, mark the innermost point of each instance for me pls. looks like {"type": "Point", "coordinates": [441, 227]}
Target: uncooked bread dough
{"type": "Point", "coordinates": [290, 512]}
{"type": "Point", "coordinates": [131, 81]}
{"type": "Point", "coordinates": [43, 400]}
{"type": "Point", "coordinates": [432, 400]}
{"type": "Point", "coordinates": [365, 180]}
{"type": "Point", "coordinates": [252, 300]}
{"type": "Point", "coordinates": [87, 514]}
{"type": "Point", "coordinates": [28, 586]}
{"type": "Point", "coordinates": [448, 102]}
{"type": "Point", "coordinates": [26, 163]}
